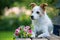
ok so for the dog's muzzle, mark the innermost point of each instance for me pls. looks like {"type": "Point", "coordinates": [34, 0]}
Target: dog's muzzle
{"type": "Point", "coordinates": [32, 17]}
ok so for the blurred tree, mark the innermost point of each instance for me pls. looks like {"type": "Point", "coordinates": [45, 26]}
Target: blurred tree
{"type": "Point", "coordinates": [5, 3]}
{"type": "Point", "coordinates": [9, 3]}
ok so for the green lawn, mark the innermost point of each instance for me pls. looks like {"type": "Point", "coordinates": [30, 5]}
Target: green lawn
{"type": "Point", "coordinates": [6, 35]}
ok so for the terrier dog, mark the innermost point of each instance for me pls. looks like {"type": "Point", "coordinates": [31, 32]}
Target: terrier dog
{"type": "Point", "coordinates": [42, 24]}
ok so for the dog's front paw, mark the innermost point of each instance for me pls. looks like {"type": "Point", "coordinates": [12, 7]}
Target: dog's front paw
{"type": "Point", "coordinates": [40, 36]}
{"type": "Point", "coordinates": [43, 36]}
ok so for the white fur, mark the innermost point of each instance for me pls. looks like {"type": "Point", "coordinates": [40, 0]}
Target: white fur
{"type": "Point", "coordinates": [41, 23]}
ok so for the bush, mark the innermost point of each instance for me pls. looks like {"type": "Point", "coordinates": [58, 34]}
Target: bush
{"type": "Point", "coordinates": [11, 23]}
{"type": "Point", "coordinates": [24, 20]}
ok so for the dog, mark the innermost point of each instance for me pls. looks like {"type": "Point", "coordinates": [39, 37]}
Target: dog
{"type": "Point", "coordinates": [42, 24]}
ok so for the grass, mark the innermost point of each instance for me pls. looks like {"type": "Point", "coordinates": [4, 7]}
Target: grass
{"type": "Point", "coordinates": [6, 35]}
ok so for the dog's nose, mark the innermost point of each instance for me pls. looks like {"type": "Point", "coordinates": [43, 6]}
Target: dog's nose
{"type": "Point", "coordinates": [32, 17]}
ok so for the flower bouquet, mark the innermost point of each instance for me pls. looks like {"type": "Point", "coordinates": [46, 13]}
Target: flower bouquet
{"type": "Point", "coordinates": [23, 32]}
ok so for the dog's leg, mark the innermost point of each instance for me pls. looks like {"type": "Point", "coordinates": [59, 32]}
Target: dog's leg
{"type": "Point", "coordinates": [44, 35]}
{"type": "Point", "coordinates": [45, 32]}
{"type": "Point", "coordinates": [33, 35]}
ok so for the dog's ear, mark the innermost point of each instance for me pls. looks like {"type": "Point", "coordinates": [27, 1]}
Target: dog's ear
{"type": "Point", "coordinates": [32, 5]}
{"type": "Point", "coordinates": [43, 6]}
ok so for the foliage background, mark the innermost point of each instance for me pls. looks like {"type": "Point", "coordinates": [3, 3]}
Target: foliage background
{"type": "Point", "coordinates": [22, 20]}
{"type": "Point", "coordinates": [9, 24]}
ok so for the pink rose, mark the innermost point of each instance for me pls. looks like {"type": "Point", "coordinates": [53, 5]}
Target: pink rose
{"type": "Point", "coordinates": [28, 27]}
{"type": "Point", "coordinates": [17, 32]}
{"type": "Point", "coordinates": [30, 31]}
{"type": "Point", "coordinates": [25, 29]}
{"type": "Point", "coordinates": [19, 28]}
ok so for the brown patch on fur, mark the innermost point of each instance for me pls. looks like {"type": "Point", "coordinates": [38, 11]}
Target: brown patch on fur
{"type": "Point", "coordinates": [43, 6]}
{"type": "Point", "coordinates": [32, 5]}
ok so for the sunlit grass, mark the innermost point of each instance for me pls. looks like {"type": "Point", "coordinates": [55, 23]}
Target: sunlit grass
{"type": "Point", "coordinates": [6, 35]}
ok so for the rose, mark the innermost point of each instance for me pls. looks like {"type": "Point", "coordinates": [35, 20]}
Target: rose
{"type": "Point", "coordinates": [30, 31]}
{"type": "Point", "coordinates": [24, 31]}
{"type": "Point", "coordinates": [19, 28]}
{"type": "Point", "coordinates": [26, 28]}
{"type": "Point", "coordinates": [17, 32]}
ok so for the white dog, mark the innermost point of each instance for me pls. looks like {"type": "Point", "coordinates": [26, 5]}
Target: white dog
{"type": "Point", "coordinates": [42, 24]}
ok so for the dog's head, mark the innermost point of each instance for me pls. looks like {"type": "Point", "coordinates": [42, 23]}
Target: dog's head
{"type": "Point", "coordinates": [37, 11]}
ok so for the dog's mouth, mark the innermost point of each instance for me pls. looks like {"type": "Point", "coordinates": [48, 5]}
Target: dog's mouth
{"type": "Point", "coordinates": [32, 18]}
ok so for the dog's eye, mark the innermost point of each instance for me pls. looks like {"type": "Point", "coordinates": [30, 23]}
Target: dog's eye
{"type": "Point", "coordinates": [32, 11]}
{"type": "Point", "coordinates": [37, 12]}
